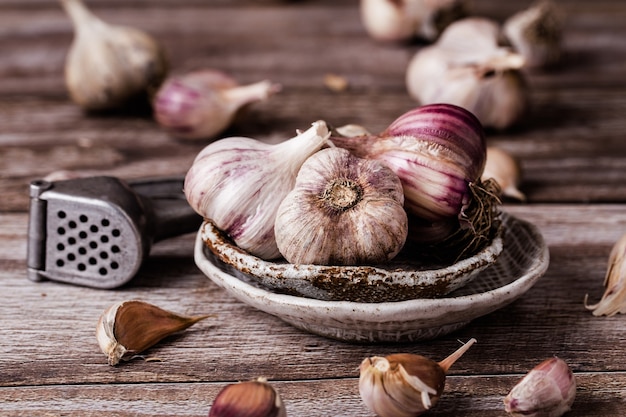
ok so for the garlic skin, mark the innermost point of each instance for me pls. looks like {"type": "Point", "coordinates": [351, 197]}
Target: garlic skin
{"type": "Point", "coordinates": [536, 33]}
{"type": "Point", "coordinates": [505, 170]}
{"type": "Point", "coordinates": [202, 104]}
{"type": "Point", "coordinates": [255, 398]}
{"type": "Point", "coordinates": [403, 384]}
{"type": "Point", "coordinates": [403, 20]}
{"type": "Point", "coordinates": [343, 210]}
{"type": "Point", "coordinates": [239, 183]}
{"type": "Point", "coordinates": [468, 68]}
{"type": "Point", "coordinates": [613, 300]}
{"type": "Point", "coordinates": [548, 390]}
{"type": "Point", "coordinates": [109, 65]}
{"type": "Point", "coordinates": [128, 328]}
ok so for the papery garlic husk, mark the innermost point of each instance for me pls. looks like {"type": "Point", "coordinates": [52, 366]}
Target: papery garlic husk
{"type": "Point", "coordinates": [256, 398]}
{"type": "Point", "coordinates": [505, 169]}
{"type": "Point", "coordinates": [403, 384]}
{"type": "Point", "coordinates": [130, 327]}
{"type": "Point", "coordinates": [343, 210]}
{"type": "Point", "coordinates": [468, 68]}
{"type": "Point", "coordinates": [108, 65]}
{"type": "Point", "coordinates": [548, 390]}
{"type": "Point", "coordinates": [404, 20]}
{"type": "Point", "coordinates": [613, 300]}
{"type": "Point", "coordinates": [239, 183]}
{"type": "Point", "coordinates": [536, 33]}
{"type": "Point", "coordinates": [202, 104]}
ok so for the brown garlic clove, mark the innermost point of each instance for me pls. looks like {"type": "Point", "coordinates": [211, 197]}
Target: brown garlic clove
{"type": "Point", "coordinates": [255, 398]}
{"type": "Point", "coordinates": [108, 65]}
{"type": "Point", "coordinates": [614, 298]}
{"type": "Point", "coordinates": [128, 328]}
{"type": "Point", "coordinates": [404, 385]}
{"type": "Point", "coordinates": [548, 390]}
{"type": "Point", "coordinates": [505, 170]}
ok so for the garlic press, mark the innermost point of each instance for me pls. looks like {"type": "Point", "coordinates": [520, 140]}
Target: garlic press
{"type": "Point", "coordinates": [97, 231]}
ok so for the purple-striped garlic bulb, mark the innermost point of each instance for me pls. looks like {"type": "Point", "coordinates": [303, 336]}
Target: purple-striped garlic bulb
{"type": "Point", "coordinates": [238, 183]}
{"type": "Point", "coordinates": [343, 210]}
{"type": "Point", "coordinates": [202, 104]}
{"type": "Point", "coordinates": [437, 151]}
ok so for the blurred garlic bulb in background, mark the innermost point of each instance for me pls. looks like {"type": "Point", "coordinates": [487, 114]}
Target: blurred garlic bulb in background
{"type": "Point", "coordinates": [108, 65]}
{"type": "Point", "coordinates": [505, 170]}
{"type": "Point", "coordinates": [403, 20]}
{"type": "Point", "coordinates": [536, 33]}
{"type": "Point", "coordinates": [204, 103]}
{"type": "Point", "coordinates": [467, 67]}
{"type": "Point", "coordinates": [614, 298]}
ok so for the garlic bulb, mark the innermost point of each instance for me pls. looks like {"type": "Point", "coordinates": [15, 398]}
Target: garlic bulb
{"type": "Point", "coordinates": [402, 20]}
{"type": "Point", "coordinates": [614, 298]}
{"type": "Point", "coordinates": [505, 170]}
{"type": "Point", "coordinates": [536, 33]}
{"type": "Point", "coordinates": [403, 384]}
{"type": "Point", "coordinates": [128, 328]}
{"type": "Point", "coordinates": [255, 398]}
{"type": "Point", "coordinates": [343, 210]}
{"type": "Point", "coordinates": [239, 183]}
{"type": "Point", "coordinates": [548, 390]}
{"type": "Point", "coordinates": [108, 65]}
{"type": "Point", "coordinates": [202, 104]}
{"type": "Point", "coordinates": [436, 150]}
{"type": "Point", "coordinates": [468, 68]}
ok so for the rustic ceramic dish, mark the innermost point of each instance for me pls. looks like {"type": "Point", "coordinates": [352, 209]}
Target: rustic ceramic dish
{"type": "Point", "coordinates": [404, 278]}
{"type": "Point", "coordinates": [523, 261]}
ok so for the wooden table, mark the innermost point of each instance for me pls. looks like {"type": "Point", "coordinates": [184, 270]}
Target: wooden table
{"type": "Point", "coordinates": [571, 147]}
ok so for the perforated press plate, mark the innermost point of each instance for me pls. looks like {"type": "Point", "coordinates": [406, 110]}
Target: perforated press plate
{"type": "Point", "coordinates": [86, 241]}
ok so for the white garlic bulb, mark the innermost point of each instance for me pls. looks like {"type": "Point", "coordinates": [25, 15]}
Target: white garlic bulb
{"type": "Point", "coordinates": [613, 300]}
{"type": "Point", "coordinates": [468, 68]}
{"type": "Point", "coordinates": [536, 33]}
{"type": "Point", "coordinates": [239, 182]}
{"type": "Point", "coordinates": [109, 65]}
{"type": "Point", "coordinates": [402, 20]}
{"type": "Point", "coordinates": [202, 104]}
{"type": "Point", "coordinates": [343, 210]}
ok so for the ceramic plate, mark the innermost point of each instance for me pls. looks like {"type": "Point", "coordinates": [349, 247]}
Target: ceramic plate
{"type": "Point", "coordinates": [524, 259]}
{"type": "Point", "coordinates": [406, 277]}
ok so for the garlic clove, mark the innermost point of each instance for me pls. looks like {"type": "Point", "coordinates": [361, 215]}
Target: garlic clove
{"type": "Point", "coordinates": [505, 170]}
{"type": "Point", "coordinates": [394, 21]}
{"type": "Point", "coordinates": [536, 33]}
{"type": "Point", "coordinates": [203, 103]}
{"type": "Point", "coordinates": [343, 210]}
{"type": "Point", "coordinates": [239, 183]}
{"type": "Point", "coordinates": [128, 328]}
{"type": "Point", "coordinates": [109, 65]}
{"type": "Point", "coordinates": [255, 398]}
{"type": "Point", "coordinates": [548, 390]}
{"type": "Point", "coordinates": [613, 300]}
{"type": "Point", "coordinates": [468, 68]}
{"type": "Point", "coordinates": [404, 385]}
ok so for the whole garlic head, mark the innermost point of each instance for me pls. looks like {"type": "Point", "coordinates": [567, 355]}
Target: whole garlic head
{"type": "Point", "coordinates": [108, 65]}
{"type": "Point", "coordinates": [343, 210]}
{"type": "Point", "coordinates": [402, 20]}
{"type": "Point", "coordinates": [467, 67]}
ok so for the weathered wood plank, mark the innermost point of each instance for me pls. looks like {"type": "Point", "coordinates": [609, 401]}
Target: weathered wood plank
{"type": "Point", "coordinates": [480, 396]}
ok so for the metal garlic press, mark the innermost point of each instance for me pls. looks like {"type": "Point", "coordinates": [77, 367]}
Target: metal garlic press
{"type": "Point", "coordinates": [96, 231]}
